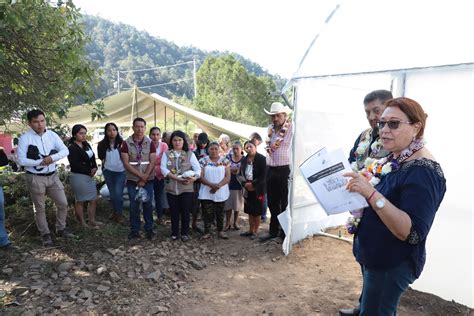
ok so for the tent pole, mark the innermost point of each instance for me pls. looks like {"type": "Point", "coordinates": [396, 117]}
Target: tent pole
{"type": "Point", "coordinates": [174, 120]}
{"type": "Point", "coordinates": [154, 110]}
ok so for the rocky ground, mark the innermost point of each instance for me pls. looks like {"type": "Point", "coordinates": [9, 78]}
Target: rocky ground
{"type": "Point", "coordinates": [101, 272]}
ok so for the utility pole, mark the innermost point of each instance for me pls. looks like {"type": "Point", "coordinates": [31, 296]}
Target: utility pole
{"type": "Point", "coordinates": [194, 77]}
{"type": "Point", "coordinates": [118, 81]}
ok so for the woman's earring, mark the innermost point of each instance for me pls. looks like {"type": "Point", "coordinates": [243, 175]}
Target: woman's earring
{"type": "Point", "coordinates": [414, 138]}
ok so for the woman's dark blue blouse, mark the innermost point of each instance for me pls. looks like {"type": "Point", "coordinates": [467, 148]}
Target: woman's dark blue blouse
{"type": "Point", "coordinates": [417, 188]}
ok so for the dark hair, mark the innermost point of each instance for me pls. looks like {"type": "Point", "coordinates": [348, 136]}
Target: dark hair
{"type": "Point", "coordinates": [34, 114]}
{"type": "Point", "coordinates": [75, 129]}
{"type": "Point", "coordinates": [203, 139]}
{"type": "Point", "coordinates": [182, 135]}
{"type": "Point", "coordinates": [213, 143]}
{"type": "Point", "coordinates": [249, 142]}
{"type": "Point", "coordinates": [138, 119]}
{"type": "Point", "coordinates": [106, 142]}
{"type": "Point", "coordinates": [381, 95]}
{"type": "Point", "coordinates": [237, 142]}
{"type": "Point", "coordinates": [255, 136]}
{"type": "Point", "coordinates": [154, 128]}
{"type": "Point", "coordinates": [412, 110]}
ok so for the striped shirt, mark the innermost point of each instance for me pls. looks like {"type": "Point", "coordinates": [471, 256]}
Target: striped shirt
{"type": "Point", "coordinates": [281, 156]}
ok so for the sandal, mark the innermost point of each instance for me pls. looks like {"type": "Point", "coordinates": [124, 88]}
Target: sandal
{"type": "Point", "coordinates": [221, 235]}
{"type": "Point", "coordinates": [246, 234]}
{"type": "Point", "coordinates": [206, 236]}
{"type": "Point", "coordinates": [236, 227]}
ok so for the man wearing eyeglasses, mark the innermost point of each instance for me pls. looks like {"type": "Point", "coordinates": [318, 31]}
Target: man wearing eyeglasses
{"type": "Point", "coordinates": [368, 144]}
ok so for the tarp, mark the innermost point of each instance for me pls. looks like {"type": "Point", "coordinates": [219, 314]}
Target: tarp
{"type": "Point", "coordinates": [418, 49]}
{"type": "Point", "coordinates": [123, 107]}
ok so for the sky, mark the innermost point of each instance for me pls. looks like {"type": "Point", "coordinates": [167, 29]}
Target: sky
{"type": "Point", "coordinates": [275, 34]}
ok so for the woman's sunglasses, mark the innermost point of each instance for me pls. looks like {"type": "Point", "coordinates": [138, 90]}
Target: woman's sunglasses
{"type": "Point", "coordinates": [391, 124]}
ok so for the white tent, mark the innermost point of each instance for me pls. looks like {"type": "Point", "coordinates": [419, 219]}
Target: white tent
{"type": "Point", "coordinates": [123, 107]}
{"type": "Point", "coordinates": [419, 49]}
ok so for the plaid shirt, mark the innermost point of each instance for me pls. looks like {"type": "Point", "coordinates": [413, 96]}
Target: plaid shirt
{"type": "Point", "coordinates": [281, 156]}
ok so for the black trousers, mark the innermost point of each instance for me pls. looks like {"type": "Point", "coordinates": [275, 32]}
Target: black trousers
{"type": "Point", "coordinates": [180, 207]}
{"type": "Point", "coordinates": [277, 195]}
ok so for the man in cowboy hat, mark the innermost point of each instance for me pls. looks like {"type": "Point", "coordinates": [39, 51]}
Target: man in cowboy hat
{"type": "Point", "coordinates": [278, 161]}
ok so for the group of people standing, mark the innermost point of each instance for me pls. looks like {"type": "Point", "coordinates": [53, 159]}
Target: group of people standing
{"type": "Point", "coordinates": [400, 179]}
{"type": "Point", "coordinates": [220, 178]}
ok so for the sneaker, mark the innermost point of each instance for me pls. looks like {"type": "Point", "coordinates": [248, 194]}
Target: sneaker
{"type": "Point", "coordinates": [266, 237]}
{"type": "Point", "coordinates": [65, 234]}
{"type": "Point", "coordinates": [149, 235]}
{"type": "Point", "coordinates": [47, 240]}
{"type": "Point", "coordinates": [198, 229]}
{"type": "Point", "coordinates": [253, 236]}
{"type": "Point", "coordinates": [185, 238]}
{"type": "Point", "coordinates": [133, 235]}
{"type": "Point", "coordinates": [174, 238]}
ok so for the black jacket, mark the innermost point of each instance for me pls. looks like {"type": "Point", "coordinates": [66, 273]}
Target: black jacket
{"type": "Point", "coordinates": [79, 160]}
{"type": "Point", "coordinates": [259, 173]}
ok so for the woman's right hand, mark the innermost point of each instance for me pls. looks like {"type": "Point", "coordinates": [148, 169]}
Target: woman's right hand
{"type": "Point", "coordinates": [249, 186]}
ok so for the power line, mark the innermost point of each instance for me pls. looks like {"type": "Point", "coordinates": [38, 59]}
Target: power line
{"type": "Point", "coordinates": [154, 68]}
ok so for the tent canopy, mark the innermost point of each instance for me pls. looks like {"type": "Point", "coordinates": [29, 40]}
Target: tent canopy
{"type": "Point", "coordinates": [123, 107]}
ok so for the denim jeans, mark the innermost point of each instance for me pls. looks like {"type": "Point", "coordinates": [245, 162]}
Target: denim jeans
{"type": "Point", "coordinates": [115, 183]}
{"type": "Point", "coordinates": [3, 233]}
{"type": "Point", "coordinates": [180, 207]}
{"type": "Point", "coordinates": [159, 192]}
{"type": "Point", "coordinates": [383, 287]}
{"type": "Point", "coordinates": [135, 208]}
{"type": "Point", "coordinates": [265, 206]}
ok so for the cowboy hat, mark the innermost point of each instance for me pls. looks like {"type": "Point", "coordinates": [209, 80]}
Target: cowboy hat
{"type": "Point", "coordinates": [276, 108]}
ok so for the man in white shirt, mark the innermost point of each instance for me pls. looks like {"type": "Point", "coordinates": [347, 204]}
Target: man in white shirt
{"type": "Point", "coordinates": [38, 151]}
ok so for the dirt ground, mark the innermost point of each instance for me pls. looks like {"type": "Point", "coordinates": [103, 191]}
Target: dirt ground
{"type": "Point", "coordinates": [101, 272]}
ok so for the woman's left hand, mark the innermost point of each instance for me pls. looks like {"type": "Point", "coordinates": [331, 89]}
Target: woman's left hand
{"type": "Point", "coordinates": [359, 184]}
{"type": "Point", "coordinates": [189, 180]}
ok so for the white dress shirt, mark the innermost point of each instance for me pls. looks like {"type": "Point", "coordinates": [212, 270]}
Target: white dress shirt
{"type": "Point", "coordinates": [45, 143]}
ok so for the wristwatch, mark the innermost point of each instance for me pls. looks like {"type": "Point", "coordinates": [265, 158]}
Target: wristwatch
{"type": "Point", "coordinates": [380, 203]}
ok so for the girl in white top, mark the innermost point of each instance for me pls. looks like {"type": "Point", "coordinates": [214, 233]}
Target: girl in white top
{"type": "Point", "coordinates": [113, 169]}
{"type": "Point", "coordinates": [214, 191]}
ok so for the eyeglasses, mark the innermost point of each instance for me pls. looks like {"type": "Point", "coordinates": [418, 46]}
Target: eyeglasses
{"type": "Point", "coordinates": [391, 124]}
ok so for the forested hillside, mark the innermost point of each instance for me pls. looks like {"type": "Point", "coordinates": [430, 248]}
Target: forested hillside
{"type": "Point", "coordinates": [117, 46]}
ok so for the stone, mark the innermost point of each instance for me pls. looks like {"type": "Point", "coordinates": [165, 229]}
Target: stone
{"type": "Point", "coordinates": [66, 281]}
{"type": "Point", "coordinates": [65, 266]}
{"type": "Point", "coordinates": [196, 264]}
{"type": "Point", "coordinates": [101, 270]}
{"type": "Point", "coordinates": [114, 276]}
{"type": "Point", "coordinates": [7, 271]}
{"type": "Point", "coordinates": [57, 303]}
{"type": "Point", "coordinates": [155, 276]}
{"type": "Point", "coordinates": [86, 294]}
{"type": "Point", "coordinates": [158, 309]}
{"type": "Point", "coordinates": [102, 288]}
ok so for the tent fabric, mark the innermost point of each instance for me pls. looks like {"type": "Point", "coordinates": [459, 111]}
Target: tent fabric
{"type": "Point", "coordinates": [123, 107]}
{"type": "Point", "coordinates": [415, 49]}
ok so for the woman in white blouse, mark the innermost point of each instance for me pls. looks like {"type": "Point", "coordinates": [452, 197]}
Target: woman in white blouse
{"type": "Point", "coordinates": [214, 191]}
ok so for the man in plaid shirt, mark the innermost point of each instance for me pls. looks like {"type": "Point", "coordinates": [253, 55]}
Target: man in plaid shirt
{"type": "Point", "coordinates": [278, 162]}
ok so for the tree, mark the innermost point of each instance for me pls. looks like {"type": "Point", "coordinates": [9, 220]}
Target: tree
{"type": "Point", "coordinates": [227, 90]}
{"type": "Point", "coordinates": [42, 60]}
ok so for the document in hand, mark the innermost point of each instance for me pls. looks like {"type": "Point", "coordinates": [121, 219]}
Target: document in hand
{"type": "Point", "coordinates": [323, 172]}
